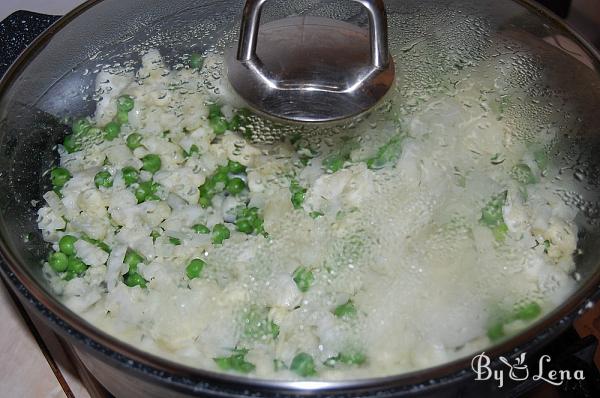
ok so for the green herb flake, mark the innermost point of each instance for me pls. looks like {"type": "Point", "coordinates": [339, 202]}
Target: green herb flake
{"type": "Point", "coordinates": [523, 174]}
{"type": "Point", "coordinates": [236, 362]}
{"type": "Point", "coordinates": [298, 194]}
{"type": "Point", "coordinates": [346, 358]}
{"type": "Point", "coordinates": [491, 216]}
{"type": "Point", "coordinates": [388, 153]}
{"type": "Point", "coordinates": [498, 158]}
{"type": "Point", "coordinates": [304, 278]}
{"type": "Point", "coordinates": [346, 310]}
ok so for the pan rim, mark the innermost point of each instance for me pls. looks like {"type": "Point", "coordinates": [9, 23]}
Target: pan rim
{"type": "Point", "coordinates": [66, 320]}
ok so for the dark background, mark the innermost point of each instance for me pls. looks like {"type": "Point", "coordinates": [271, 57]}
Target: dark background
{"type": "Point", "coordinates": [583, 15]}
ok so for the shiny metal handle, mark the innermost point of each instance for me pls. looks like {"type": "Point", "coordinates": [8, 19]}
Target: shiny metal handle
{"type": "Point", "coordinates": [377, 31]}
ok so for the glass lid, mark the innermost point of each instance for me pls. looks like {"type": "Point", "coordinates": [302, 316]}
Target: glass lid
{"type": "Point", "coordinates": [144, 203]}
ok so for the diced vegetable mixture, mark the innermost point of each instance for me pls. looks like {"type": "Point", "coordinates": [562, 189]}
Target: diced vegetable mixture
{"type": "Point", "coordinates": [398, 242]}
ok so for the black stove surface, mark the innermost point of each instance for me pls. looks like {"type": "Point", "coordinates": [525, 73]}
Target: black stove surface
{"type": "Point", "coordinates": [18, 31]}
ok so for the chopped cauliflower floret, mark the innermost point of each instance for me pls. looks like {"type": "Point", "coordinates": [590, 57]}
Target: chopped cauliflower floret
{"type": "Point", "coordinates": [89, 253]}
{"type": "Point", "coordinates": [343, 189]}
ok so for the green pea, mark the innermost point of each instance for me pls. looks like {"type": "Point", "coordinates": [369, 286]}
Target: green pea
{"type": "Point", "coordinates": [124, 103]}
{"type": "Point", "coordinates": [244, 226]}
{"type": "Point", "coordinates": [244, 213]}
{"type": "Point", "coordinates": [67, 244]}
{"type": "Point", "coordinates": [103, 179]}
{"type": "Point", "coordinates": [201, 229]}
{"type": "Point", "coordinates": [236, 167]}
{"type": "Point", "coordinates": [304, 278]}
{"type": "Point", "coordinates": [112, 130]}
{"type": "Point", "coordinates": [346, 310]}
{"type": "Point", "coordinates": [174, 241]}
{"type": "Point", "coordinates": [194, 268]}
{"type": "Point", "coordinates": [151, 163]}
{"type": "Point", "coordinates": [496, 331]}
{"type": "Point", "coordinates": [134, 279]}
{"type": "Point", "coordinates": [70, 143]}
{"type": "Point", "coordinates": [58, 261]}
{"type": "Point", "coordinates": [132, 259]}
{"type": "Point", "coordinates": [143, 191]}
{"type": "Point", "coordinates": [218, 124]}
{"type": "Point", "coordinates": [134, 140]}
{"type": "Point", "coordinates": [210, 185]}
{"type": "Point", "coordinates": [220, 233]}
{"type": "Point", "coordinates": [235, 186]}
{"type": "Point", "coordinates": [257, 223]}
{"type": "Point", "coordinates": [69, 275]}
{"type": "Point", "coordinates": [196, 61]}
{"type": "Point", "coordinates": [303, 365]}
{"type": "Point", "coordinates": [130, 175]}
{"type": "Point", "coordinates": [248, 221]}
{"type": "Point", "coordinates": [206, 195]}
{"type": "Point", "coordinates": [80, 126]}
{"type": "Point", "coordinates": [122, 117]}
{"type": "Point", "coordinates": [60, 176]}
{"type": "Point", "coordinates": [214, 111]}
{"type": "Point", "coordinates": [76, 266]}
{"type": "Point", "coordinates": [221, 175]}
{"type": "Point", "coordinates": [529, 311]}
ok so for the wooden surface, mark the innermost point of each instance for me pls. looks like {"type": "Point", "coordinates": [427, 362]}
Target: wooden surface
{"type": "Point", "coordinates": [24, 369]}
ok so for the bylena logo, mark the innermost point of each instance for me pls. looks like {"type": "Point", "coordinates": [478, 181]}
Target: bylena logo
{"type": "Point", "coordinates": [519, 370]}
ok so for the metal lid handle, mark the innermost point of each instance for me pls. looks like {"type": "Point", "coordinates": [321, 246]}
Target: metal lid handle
{"type": "Point", "coordinates": [377, 31]}
{"type": "Point", "coordinates": [311, 69]}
